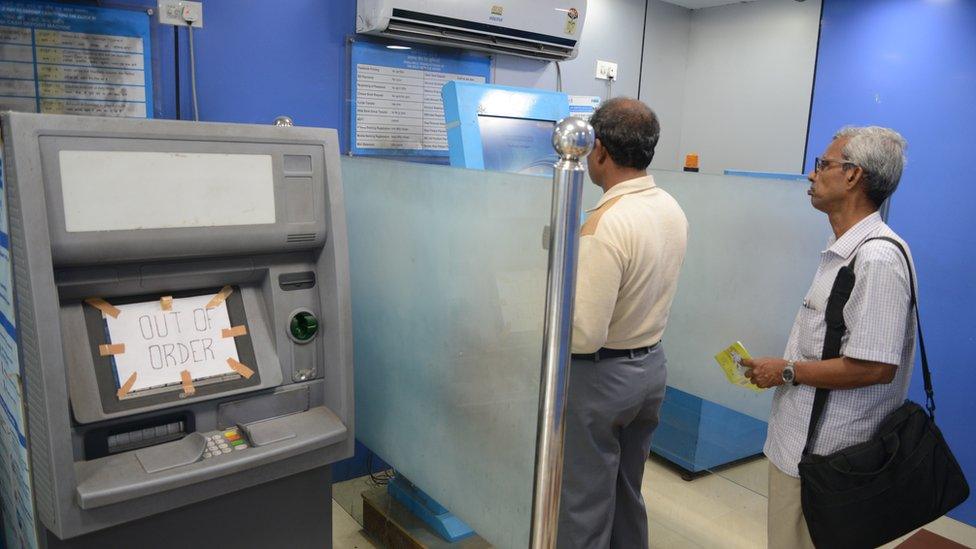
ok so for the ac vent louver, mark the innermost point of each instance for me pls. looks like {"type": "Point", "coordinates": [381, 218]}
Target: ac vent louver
{"type": "Point", "coordinates": [433, 34]}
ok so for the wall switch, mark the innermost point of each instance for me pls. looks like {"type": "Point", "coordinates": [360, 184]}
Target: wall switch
{"type": "Point", "coordinates": [606, 70]}
{"type": "Point", "coordinates": [181, 12]}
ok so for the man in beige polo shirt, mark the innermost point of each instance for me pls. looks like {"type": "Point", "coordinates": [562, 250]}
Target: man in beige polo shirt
{"type": "Point", "coordinates": [631, 249]}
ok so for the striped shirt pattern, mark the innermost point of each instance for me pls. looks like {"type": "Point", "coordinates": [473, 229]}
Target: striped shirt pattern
{"type": "Point", "coordinates": [880, 328]}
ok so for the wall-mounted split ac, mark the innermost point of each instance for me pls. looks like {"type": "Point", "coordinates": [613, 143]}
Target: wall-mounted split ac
{"type": "Point", "coordinates": [541, 29]}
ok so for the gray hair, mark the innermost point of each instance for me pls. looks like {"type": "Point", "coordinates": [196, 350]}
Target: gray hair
{"type": "Point", "coordinates": [880, 152]}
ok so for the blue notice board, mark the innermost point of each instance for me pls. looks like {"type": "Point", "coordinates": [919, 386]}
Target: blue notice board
{"type": "Point", "coordinates": [396, 107]}
{"type": "Point", "coordinates": [16, 490]}
{"type": "Point", "coordinates": [70, 59]}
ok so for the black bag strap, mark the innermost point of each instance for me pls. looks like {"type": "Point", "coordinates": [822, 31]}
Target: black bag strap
{"type": "Point", "coordinates": [840, 292]}
{"type": "Point", "coordinates": [926, 373]}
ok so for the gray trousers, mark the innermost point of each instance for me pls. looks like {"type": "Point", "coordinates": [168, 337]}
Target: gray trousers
{"type": "Point", "coordinates": [612, 409]}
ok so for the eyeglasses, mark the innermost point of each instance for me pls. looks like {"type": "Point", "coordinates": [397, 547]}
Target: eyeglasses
{"type": "Point", "coordinates": [821, 164]}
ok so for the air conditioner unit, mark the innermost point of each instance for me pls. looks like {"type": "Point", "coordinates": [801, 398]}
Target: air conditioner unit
{"type": "Point", "coordinates": [541, 29]}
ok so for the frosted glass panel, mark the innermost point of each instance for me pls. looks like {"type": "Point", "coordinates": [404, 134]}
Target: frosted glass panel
{"type": "Point", "coordinates": [448, 295]}
{"type": "Point", "coordinates": [753, 248]}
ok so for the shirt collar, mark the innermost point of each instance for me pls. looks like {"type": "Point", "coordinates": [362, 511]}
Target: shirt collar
{"type": "Point", "coordinates": [850, 240]}
{"type": "Point", "coordinates": [631, 186]}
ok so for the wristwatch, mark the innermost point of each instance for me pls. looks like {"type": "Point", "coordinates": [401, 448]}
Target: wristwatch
{"type": "Point", "coordinates": [789, 373]}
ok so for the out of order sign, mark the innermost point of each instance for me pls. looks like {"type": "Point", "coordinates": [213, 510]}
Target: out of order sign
{"type": "Point", "coordinates": [161, 344]}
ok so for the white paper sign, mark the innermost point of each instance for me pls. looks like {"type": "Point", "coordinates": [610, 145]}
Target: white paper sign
{"type": "Point", "coordinates": [159, 344]}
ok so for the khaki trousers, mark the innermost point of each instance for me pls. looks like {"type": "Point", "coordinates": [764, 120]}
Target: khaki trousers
{"type": "Point", "coordinates": [785, 527]}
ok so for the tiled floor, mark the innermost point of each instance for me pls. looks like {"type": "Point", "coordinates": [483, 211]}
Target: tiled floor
{"type": "Point", "coordinates": [724, 510]}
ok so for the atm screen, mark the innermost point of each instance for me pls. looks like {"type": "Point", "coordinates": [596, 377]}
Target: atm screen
{"type": "Point", "coordinates": [517, 145]}
{"type": "Point", "coordinates": [162, 344]}
{"type": "Point", "coordinates": [156, 350]}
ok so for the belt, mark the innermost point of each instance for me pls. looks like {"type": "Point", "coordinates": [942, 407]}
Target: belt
{"type": "Point", "coordinates": [605, 353]}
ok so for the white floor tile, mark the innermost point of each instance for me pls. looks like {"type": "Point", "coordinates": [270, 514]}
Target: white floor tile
{"type": "Point", "coordinates": [724, 510]}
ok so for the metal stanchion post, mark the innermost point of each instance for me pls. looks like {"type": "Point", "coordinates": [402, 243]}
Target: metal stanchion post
{"type": "Point", "coordinates": [573, 139]}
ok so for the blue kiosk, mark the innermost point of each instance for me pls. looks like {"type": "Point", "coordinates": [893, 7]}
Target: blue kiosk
{"type": "Point", "coordinates": [502, 128]}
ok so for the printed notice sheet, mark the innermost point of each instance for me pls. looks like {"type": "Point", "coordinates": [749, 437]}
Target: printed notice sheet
{"type": "Point", "coordinates": [16, 490]}
{"type": "Point", "coordinates": [583, 106]}
{"type": "Point", "coordinates": [397, 107]}
{"type": "Point", "coordinates": [70, 59]}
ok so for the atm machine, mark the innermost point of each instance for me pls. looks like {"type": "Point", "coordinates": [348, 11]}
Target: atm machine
{"type": "Point", "coordinates": [183, 329]}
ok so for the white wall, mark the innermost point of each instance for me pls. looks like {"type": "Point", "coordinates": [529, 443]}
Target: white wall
{"type": "Point", "coordinates": [731, 83]}
{"type": "Point", "coordinates": [668, 29]}
{"type": "Point", "coordinates": [613, 31]}
{"type": "Point", "coordinates": [748, 85]}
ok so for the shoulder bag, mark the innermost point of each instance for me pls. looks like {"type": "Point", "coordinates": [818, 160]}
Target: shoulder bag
{"type": "Point", "coordinates": [899, 480]}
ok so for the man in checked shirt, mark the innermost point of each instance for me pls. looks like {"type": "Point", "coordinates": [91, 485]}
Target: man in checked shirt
{"type": "Point", "coordinates": [856, 174]}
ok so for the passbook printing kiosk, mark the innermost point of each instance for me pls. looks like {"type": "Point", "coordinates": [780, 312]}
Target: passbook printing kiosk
{"type": "Point", "coordinates": [183, 320]}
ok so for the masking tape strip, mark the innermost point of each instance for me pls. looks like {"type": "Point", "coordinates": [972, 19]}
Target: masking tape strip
{"type": "Point", "coordinates": [111, 349]}
{"type": "Point", "coordinates": [104, 306]}
{"type": "Point", "coordinates": [187, 382]}
{"type": "Point", "coordinates": [223, 294]}
{"type": "Point", "coordinates": [236, 331]}
{"type": "Point", "coordinates": [127, 386]}
{"type": "Point", "coordinates": [245, 372]}
{"type": "Point", "coordinates": [166, 302]}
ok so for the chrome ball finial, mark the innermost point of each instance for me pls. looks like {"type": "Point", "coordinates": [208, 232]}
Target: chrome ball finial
{"type": "Point", "coordinates": [285, 121]}
{"type": "Point", "coordinates": [573, 138]}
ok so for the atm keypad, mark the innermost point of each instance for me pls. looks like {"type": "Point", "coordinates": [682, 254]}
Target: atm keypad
{"type": "Point", "coordinates": [224, 442]}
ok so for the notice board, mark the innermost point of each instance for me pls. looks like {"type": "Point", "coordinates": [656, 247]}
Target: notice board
{"type": "Point", "coordinates": [396, 107]}
{"type": "Point", "coordinates": [71, 59]}
{"type": "Point", "coordinates": [16, 490]}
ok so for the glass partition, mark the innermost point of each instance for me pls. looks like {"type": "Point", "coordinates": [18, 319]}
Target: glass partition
{"type": "Point", "coordinates": [448, 281]}
{"type": "Point", "coordinates": [753, 248]}
{"type": "Point", "coordinates": [448, 293]}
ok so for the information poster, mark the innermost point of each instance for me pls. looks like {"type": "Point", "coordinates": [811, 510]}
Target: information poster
{"type": "Point", "coordinates": [583, 106]}
{"type": "Point", "coordinates": [396, 104]}
{"type": "Point", "coordinates": [16, 495]}
{"type": "Point", "coordinates": [71, 59]}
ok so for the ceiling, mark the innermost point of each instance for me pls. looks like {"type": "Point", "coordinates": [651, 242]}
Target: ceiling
{"type": "Point", "coordinates": [696, 4]}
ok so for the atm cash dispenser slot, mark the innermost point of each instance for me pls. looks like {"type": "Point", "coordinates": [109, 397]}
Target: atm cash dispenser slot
{"type": "Point", "coordinates": [157, 469]}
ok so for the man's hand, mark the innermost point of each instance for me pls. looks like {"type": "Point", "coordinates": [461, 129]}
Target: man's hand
{"type": "Point", "coordinates": [765, 371]}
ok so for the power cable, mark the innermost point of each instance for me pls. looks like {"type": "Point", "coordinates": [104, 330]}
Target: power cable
{"type": "Point", "coordinates": [176, 71]}
{"type": "Point", "coordinates": [193, 74]}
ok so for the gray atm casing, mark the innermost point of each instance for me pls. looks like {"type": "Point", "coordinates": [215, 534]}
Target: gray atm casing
{"type": "Point", "coordinates": [305, 419]}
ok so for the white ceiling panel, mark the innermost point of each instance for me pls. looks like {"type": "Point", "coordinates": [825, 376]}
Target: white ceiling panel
{"type": "Point", "coordinates": [697, 4]}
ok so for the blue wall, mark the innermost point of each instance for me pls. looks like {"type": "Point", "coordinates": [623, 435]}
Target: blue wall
{"type": "Point", "coordinates": [911, 65]}
{"type": "Point", "coordinates": [257, 60]}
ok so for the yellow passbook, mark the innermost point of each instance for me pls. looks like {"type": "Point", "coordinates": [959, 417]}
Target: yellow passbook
{"type": "Point", "coordinates": [731, 362]}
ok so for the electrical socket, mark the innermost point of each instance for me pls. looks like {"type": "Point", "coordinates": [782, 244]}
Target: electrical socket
{"type": "Point", "coordinates": [606, 70]}
{"type": "Point", "coordinates": [180, 12]}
